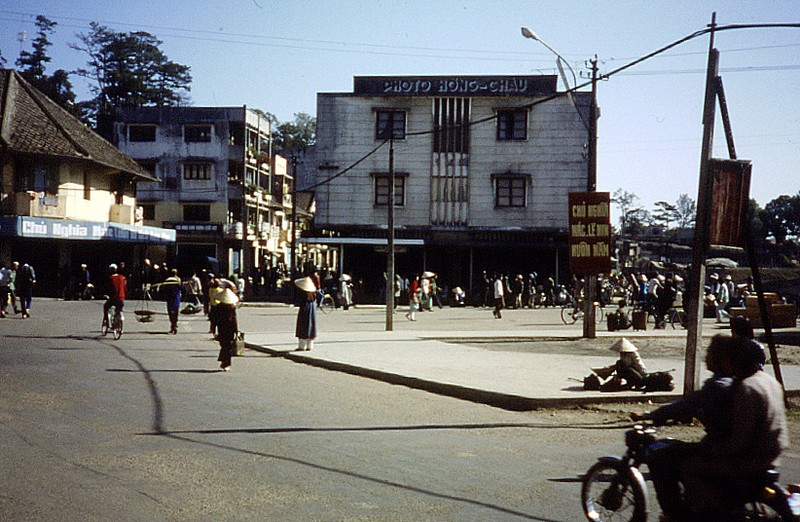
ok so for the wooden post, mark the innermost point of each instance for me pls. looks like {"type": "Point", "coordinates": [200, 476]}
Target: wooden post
{"type": "Point", "coordinates": [589, 323]}
{"type": "Point", "coordinates": [694, 340]}
{"type": "Point", "coordinates": [390, 245]}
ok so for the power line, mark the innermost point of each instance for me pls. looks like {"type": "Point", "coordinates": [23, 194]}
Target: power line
{"type": "Point", "coordinates": [344, 171]}
{"type": "Point", "coordinates": [616, 71]}
{"type": "Point", "coordinates": [342, 46]}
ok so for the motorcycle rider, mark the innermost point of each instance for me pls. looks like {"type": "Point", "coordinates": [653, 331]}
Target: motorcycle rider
{"type": "Point", "coordinates": [743, 413]}
{"type": "Point", "coordinates": [757, 438]}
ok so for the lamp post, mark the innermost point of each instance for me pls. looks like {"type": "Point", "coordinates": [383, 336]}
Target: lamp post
{"type": "Point", "coordinates": [589, 330]}
{"type": "Point", "coordinates": [528, 33]}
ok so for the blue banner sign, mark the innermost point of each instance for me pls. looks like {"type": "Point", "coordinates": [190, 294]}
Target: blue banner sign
{"type": "Point", "coordinates": [45, 228]}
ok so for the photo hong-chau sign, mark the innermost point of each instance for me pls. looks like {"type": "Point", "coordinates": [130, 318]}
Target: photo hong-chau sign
{"type": "Point", "coordinates": [590, 233]}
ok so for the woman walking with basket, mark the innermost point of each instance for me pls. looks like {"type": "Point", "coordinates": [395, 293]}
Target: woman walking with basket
{"type": "Point", "coordinates": [227, 326]}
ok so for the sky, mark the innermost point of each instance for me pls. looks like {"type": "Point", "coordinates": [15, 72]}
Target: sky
{"type": "Point", "coordinates": [277, 55]}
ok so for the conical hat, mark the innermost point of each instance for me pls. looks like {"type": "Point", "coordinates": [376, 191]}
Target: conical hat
{"type": "Point", "coordinates": [305, 284]}
{"type": "Point", "coordinates": [623, 345]}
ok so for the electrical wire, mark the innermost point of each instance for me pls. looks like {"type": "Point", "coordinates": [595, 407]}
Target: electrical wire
{"type": "Point", "coordinates": [344, 171]}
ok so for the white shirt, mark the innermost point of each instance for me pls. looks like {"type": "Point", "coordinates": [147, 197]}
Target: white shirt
{"type": "Point", "coordinates": [498, 288]}
{"type": "Point", "coordinates": [5, 276]}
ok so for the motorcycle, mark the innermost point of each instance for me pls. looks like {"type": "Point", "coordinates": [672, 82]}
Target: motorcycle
{"type": "Point", "coordinates": [615, 489]}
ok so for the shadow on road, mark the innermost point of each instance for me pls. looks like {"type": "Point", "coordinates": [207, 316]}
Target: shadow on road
{"type": "Point", "coordinates": [157, 429]}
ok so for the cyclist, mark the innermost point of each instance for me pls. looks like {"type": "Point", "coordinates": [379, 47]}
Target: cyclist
{"type": "Point", "coordinates": [116, 291]}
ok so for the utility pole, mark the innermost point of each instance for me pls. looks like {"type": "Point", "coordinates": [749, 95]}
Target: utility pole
{"type": "Point", "coordinates": [592, 149]}
{"type": "Point", "coordinates": [293, 224]}
{"type": "Point", "coordinates": [691, 374]}
{"type": "Point", "coordinates": [390, 243]}
{"type": "Point", "coordinates": [589, 323]}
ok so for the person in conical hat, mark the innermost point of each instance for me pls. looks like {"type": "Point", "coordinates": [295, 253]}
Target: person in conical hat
{"type": "Point", "coordinates": [629, 371]}
{"type": "Point", "coordinates": [305, 284]}
{"type": "Point", "coordinates": [306, 327]}
{"type": "Point", "coordinates": [227, 326]}
{"type": "Point", "coordinates": [623, 345]}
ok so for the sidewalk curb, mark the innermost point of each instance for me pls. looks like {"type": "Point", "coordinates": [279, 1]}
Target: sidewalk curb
{"type": "Point", "coordinates": [500, 400]}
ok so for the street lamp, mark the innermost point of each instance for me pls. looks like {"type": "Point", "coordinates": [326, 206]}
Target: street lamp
{"type": "Point", "coordinates": [528, 33]}
{"type": "Point", "coordinates": [589, 315]}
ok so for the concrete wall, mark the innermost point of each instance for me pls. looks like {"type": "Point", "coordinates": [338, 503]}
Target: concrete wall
{"type": "Point", "coordinates": [552, 158]}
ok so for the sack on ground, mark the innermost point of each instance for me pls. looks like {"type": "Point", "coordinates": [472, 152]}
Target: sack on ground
{"type": "Point", "coordinates": [591, 382]}
{"type": "Point", "coordinates": [659, 381]}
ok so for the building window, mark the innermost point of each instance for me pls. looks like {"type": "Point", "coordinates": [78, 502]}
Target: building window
{"type": "Point", "coordinates": [149, 166]}
{"type": "Point", "coordinates": [390, 124]}
{"type": "Point", "coordinates": [451, 124]}
{"type": "Point", "coordinates": [382, 189]}
{"type": "Point", "coordinates": [87, 186]}
{"type": "Point", "coordinates": [197, 133]}
{"type": "Point", "coordinates": [148, 211]}
{"type": "Point", "coordinates": [510, 191]}
{"type": "Point", "coordinates": [197, 213]}
{"type": "Point", "coordinates": [138, 132]}
{"type": "Point", "coordinates": [36, 176]}
{"type": "Point", "coordinates": [512, 124]}
{"type": "Point", "coordinates": [171, 183]}
{"type": "Point", "coordinates": [197, 170]}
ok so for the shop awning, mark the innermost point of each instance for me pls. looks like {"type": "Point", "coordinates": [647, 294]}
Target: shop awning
{"type": "Point", "coordinates": [46, 228]}
{"type": "Point", "coordinates": [359, 241]}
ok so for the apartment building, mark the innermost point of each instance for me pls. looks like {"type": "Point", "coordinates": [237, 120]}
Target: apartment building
{"type": "Point", "coordinates": [219, 186]}
{"type": "Point", "coordinates": [483, 166]}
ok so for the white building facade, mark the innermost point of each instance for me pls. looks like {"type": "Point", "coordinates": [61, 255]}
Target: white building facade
{"type": "Point", "coordinates": [483, 168]}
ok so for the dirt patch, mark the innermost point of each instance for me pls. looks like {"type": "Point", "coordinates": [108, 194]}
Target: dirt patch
{"type": "Point", "coordinates": [651, 347]}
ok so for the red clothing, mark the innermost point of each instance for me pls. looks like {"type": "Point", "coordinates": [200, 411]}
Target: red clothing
{"type": "Point", "coordinates": [116, 290]}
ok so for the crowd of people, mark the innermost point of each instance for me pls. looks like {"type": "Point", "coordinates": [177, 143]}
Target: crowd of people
{"type": "Point", "coordinates": [16, 284]}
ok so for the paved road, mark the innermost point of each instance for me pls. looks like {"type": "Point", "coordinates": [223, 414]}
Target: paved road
{"type": "Point", "coordinates": [147, 428]}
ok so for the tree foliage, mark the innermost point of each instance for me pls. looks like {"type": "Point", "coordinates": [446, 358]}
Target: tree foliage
{"type": "Point", "coordinates": [781, 217]}
{"type": "Point", "coordinates": [33, 67]}
{"type": "Point", "coordinates": [664, 214]}
{"type": "Point", "coordinates": [634, 219]}
{"type": "Point", "coordinates": [129, 70]}
{"type": "Point", "coordinates": [686, 211]}
{"type": "Point", "coordinates": [292, 138]}
{"type": "Point", "coordinates": [624, 201]}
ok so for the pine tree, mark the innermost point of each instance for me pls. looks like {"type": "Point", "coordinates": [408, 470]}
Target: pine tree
{"type": "Point", "coordinates": [33, 67]}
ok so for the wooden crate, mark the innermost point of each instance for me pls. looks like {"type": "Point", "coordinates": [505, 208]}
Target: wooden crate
{"type": "Point", "coordinates": [751, 301]}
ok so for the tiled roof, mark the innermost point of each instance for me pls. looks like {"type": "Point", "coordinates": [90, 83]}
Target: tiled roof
{"type": "Point", "coordinates": [32, 123]}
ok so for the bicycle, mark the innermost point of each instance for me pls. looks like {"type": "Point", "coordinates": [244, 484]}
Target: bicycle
{"type": "Point", "coordinates": [327, 304]}
{"type": "Point", "coordinates": [571, 313]}
{"type": "Point", "coordinates": [113, 321]}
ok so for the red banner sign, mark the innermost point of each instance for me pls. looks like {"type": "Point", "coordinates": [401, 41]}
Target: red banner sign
{"type": "Point", "coordinates": [590, 233]}
{"type": "Point", "coordinates": [730, 198]}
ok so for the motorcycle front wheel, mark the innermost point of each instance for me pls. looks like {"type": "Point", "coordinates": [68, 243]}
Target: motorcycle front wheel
{"type": "Point", "coordinates": [610, 493]}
